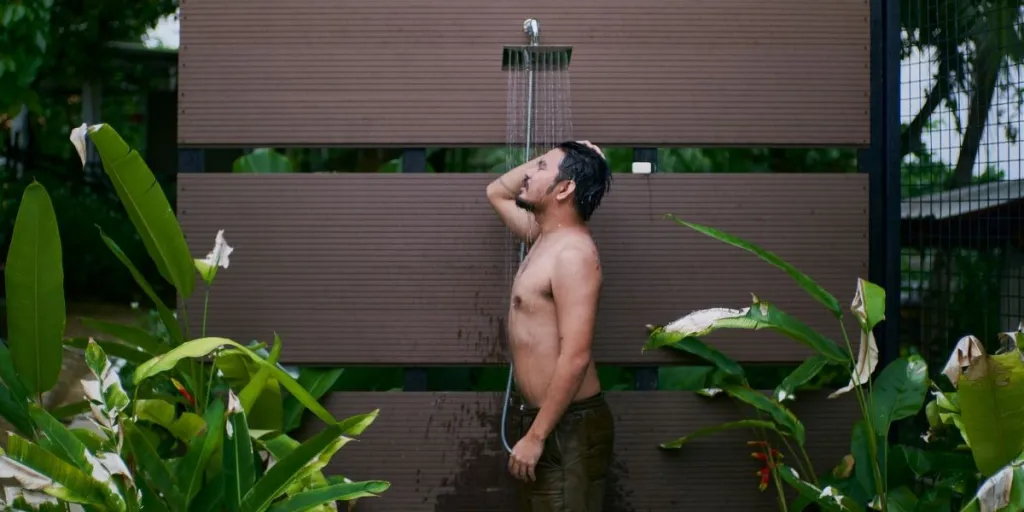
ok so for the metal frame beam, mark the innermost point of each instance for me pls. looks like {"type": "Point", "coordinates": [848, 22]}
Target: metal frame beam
{"type": "Point", "coordinates": [646, 377]}
{"type": "Point", "coordinates": [191, 160]}
{"type": "Point", "coordinates": [414, 160]}
{"type": "Point", "coordinates": [881, 161]}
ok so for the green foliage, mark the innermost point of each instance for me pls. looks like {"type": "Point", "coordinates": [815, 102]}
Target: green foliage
{"type": "Point", "coordinates": [971, 40]}
{"type": "Point", "coordinates": [874, 475]}
{"type": "Point", "coordinates": [693, 346]}
{"type": "Point", "coordinates": [803, 374]}
{"type": "Point", "coordinates": [737, 160]}
{"type": "Point", "coordinates": [985, 408]}
{"type": "Point", "coordinates": [317, 382]}
{"type": "Point", "coordinates": [147, 207]}
{"type": "Point", "coordinates": [497, 159]}
{"type": "Point", "coordinates": [34, 277]}
{"type": "Point", "coordinates": [224, 454]}
{"type": "Point", "coordinates": [92, 275]}
{"type": "Point", "coordinates": [263, 160]}
{"type": "Point", "coordinates": [50, 51]}
{"type": "Point", "coordinates": [67, 43]}
{"type": "Point", "coordinates": [805, 282]}
{"type": "Point", "coordinates": [706, 431]}
{"type": "Point", "coordinates": [927, 175]}
{"type": "Point", "coordinates": [187, 435]}
{"type": "Point", "coordinates": [25, 37]}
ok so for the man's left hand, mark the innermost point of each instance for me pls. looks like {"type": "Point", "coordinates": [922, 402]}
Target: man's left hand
{"type": "Point", "coordinates": [524, 457]}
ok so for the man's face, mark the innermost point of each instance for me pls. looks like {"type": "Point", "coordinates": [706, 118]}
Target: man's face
{"type": "Point", "coordinates": [540, 188]}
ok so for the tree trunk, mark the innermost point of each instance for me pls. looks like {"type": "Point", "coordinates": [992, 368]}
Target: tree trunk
{"type": "Point", "coordinates": [985, 77]}
{"type": "Point", "coordinates": [910, 139]}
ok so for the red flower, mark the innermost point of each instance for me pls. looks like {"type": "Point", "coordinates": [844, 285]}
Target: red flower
{"type": "Point", "coordinates": [181, 389]}
{"type": "Point", "coordinates": [769, 456]}
{"type": "Point", "coordinates": [764, 474]}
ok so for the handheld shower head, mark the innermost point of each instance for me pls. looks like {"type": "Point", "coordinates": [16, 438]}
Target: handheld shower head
{"type": "Point", "coordinates": [532, 29]}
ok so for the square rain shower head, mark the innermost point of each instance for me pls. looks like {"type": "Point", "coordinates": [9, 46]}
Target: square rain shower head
{"type": "Point", "coordinates": [537, 57]}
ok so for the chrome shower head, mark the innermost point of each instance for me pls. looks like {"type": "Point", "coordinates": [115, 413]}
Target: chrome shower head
{"type": "Point", "coordinates": [538, 58]}
{"type": "Point", "coordinates": [534, 56]}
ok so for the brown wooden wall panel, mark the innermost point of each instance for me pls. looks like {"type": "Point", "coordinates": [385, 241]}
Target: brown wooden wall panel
{"type": "Point", "coordinates": [415, 269]}
{"type": "Point", "coordinates": [442, 451]}
{"type": "Point", "coordinates": [422, 72]}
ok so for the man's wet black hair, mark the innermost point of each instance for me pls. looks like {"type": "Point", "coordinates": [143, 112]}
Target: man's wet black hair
{"type": "Point", "coordinates": [585, 167]}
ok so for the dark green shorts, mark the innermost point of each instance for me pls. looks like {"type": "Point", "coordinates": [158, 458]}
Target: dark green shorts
{"type": "Point", "coordinates": [573, 469]}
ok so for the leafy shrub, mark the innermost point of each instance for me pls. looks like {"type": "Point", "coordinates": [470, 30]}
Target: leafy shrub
{"type": "Point", "coordinates": [204, 427]}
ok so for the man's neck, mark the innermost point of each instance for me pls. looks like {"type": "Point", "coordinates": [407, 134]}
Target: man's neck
{"type": "Point", "coordinates": [553, 222]}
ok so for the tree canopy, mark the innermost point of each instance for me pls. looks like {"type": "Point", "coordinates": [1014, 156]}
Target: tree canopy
{"type": "Point", "coordinates": [60, 45]}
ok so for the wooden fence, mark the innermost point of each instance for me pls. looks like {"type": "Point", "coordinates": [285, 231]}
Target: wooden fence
{"type": "Point", "coordinates": [414, 270]}
{"type": "Point", "coordinates": [417, 73]}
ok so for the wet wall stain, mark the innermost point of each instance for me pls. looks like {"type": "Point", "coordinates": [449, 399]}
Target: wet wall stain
{"type": "Point", "coordinates": [482, 482]}
{"type": "Point", "coordinates": [616, 497]}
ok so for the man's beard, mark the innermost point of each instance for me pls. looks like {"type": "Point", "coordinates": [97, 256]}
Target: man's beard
{"type": "Point", "coordinates": [526, 205]}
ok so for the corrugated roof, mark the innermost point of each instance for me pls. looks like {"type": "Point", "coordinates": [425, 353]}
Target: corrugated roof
{"type": "Point", "coordinates": [962, 201]}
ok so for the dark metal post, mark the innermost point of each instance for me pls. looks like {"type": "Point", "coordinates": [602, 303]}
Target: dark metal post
{"type": "Point", "coordinates": [893, 192]}
{"type": "Point", "coordinates": [646, 377]}
{"type": "Point", "coordinates": [191, 160]}
{"type": "Point", "coordinates": [415, 160]}
{"type": "Point", "coordinates": [881, 161]}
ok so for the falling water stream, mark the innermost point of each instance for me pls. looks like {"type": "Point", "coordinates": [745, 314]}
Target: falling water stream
{"type": "Point", "coordinates": [539, 117]}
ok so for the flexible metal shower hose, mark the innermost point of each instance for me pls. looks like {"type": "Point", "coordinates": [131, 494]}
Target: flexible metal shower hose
{"type": "Point", "coordinates": [508, 385]}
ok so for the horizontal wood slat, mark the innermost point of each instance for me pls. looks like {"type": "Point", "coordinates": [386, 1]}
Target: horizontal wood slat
{"type": "Point", "coordinates": [416, 269]}
{"type": "Point", "coordinates": [442, 451]}
{"type": "Point", "coordinates": [426, 73]}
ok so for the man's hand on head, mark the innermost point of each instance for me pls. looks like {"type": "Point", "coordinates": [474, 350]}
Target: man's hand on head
{"type": "Point", "coordinates": [593, 146]}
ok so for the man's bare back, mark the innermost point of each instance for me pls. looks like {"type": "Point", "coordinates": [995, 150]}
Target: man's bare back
{"type": "Point", "coordinates": [533, 324]}
{"type": "Point", "coordinates": [566, 430]}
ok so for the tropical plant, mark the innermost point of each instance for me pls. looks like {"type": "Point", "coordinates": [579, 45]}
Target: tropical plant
{"type": "Point", "coordinates": [985, 411]}
{"type": "Point", "coordinates": [119, 468]}
{"type": "Point", "coordinates": [262, 160]}
{"type": "Point", "coordinates": [205, 427]}
{"type": "Point", "coordinates": [874, 474]}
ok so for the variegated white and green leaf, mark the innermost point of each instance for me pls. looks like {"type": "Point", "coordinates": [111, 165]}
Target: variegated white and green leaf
{"type": "Point", "coordinates": [101, 467]}
{"type": "Point", "coordinates": [239, 470]}
{"type": "Point", "coordinates": [39, 470]}
{"type": "Point", "coordinates": [19, 499]}
{"type": "Point", "coordinates": [30, 479]}
{"type": "Point", "coordinates": [110, 470]}
{"type": "Point", "coordinates": [106, 396]}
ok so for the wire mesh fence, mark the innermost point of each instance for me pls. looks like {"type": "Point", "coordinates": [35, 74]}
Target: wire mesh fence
{"type": "Point", "coordinates": [962, 99]}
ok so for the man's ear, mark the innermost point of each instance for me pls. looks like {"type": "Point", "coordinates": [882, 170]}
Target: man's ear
{"type": "Point", "coordinates": [565, 190]}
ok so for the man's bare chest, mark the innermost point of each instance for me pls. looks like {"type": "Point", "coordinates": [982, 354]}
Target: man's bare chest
{"type": "Point", "coordinates": [532, 285]}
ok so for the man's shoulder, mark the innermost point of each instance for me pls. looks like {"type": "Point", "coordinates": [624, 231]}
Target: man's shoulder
{"type": "Point", "coordinates": [579, 252]}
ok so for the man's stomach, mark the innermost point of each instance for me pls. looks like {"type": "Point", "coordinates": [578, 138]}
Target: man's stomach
{"type": "Point", "coordinates": [535, 368]}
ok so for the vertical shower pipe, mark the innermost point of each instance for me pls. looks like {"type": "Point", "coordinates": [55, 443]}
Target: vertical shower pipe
{"type": "Point", "coordinates": [532, 29]}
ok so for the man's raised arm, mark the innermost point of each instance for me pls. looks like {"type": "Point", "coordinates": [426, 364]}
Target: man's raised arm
{"type": "Point", "coordinates": [502, 194]}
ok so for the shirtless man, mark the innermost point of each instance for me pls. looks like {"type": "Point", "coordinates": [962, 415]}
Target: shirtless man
{"type": "Point", "coordinates": [564, 453]}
